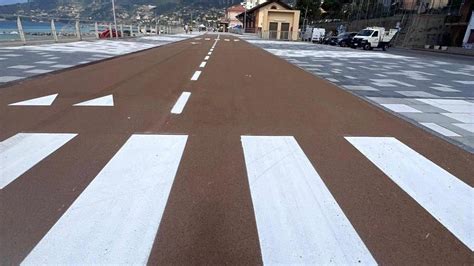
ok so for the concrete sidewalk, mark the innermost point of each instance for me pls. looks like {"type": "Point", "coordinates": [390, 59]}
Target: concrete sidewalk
{"type": "Point", "coordinates": [19, 62]}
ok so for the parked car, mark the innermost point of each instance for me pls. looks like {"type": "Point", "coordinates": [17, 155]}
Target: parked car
{"type": "Point", "coordinates": [343, 39]}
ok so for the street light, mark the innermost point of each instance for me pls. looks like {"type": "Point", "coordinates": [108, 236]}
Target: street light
{"type": "Point", "coordinates": [115, 21]}
{"type": "Point", "coordinates": [244, 4]}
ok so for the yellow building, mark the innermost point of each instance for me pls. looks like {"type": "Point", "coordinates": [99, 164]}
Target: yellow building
{"type": "Point", "coordinates": [272, 20]}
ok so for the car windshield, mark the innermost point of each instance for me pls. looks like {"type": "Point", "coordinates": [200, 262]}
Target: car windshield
{"type": "Point", "coordinates": [365, 32]}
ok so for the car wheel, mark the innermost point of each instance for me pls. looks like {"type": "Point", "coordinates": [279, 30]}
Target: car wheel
{"type": "Point", "coordinates": [367, 47]}
{"type": "Point", "coordinates": [385, 47]}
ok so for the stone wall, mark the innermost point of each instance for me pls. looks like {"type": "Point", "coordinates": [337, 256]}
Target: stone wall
{"type": "Point", "coordinates": [417, 30]}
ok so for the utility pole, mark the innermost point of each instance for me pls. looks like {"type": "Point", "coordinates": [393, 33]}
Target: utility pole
{"type": "Point", "coordinates": [115, 20]}
{"type": "Point", "coordinates": [244, 4]}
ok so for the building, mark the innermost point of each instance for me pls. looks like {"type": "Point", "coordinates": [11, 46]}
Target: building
{"type": "Point", "coordinates": [272, 19]}
{"type": "Point", "coordinates": [231, 14]}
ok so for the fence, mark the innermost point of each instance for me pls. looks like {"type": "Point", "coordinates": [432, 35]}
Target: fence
{"type": "Point", "coordinates": [28, 30]}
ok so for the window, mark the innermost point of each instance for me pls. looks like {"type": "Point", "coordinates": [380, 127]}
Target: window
{"type": "Point", "coordinates": [273, 7]}
{"type": "Point", "coordinates": [365, 32]}
{"type": "Point", "coordinates": [376, 34]}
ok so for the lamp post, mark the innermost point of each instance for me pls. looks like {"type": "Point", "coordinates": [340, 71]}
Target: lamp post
{"type": "Point", "coordinates": [115, 21]}
{"type": "Point", "coordinates": [244, 4]}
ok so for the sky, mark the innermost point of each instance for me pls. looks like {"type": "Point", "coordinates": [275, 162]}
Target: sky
{"type": "Point", "coordinates": [7, 2]}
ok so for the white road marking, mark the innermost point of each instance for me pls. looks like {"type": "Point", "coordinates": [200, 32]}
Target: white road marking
{"type": "Point", "coordinates": [445, 197]}
{"type": "Point", "coordinates": [417, 94]}
{"type": "Point", "coordinates": [179, 105]}
{"type": "Point", "coordinates": [21, 67]}
{"type": "Point", "coordinates": [450, 105]}
{"type": "Point", "coordinates": [441, 130]}
{"type": "Point", "coordinates": [208, 39]}
{"type": "Point", "coordinates": [196, 75]}
{"type": "Point", "coordinates": [46, 62]}
{"type": "Point", "coordinates": [210, 53]}
{"type": "Point", "coordinates": [62, 66]}
{"type": "Point", "coordinates": [400, 108]}
{"type": "Point", "coordinates": [116, 218]}
{"type": "Point", "coordinates": [40, 101]}
{"type": "Point", "coordinates": [360, 88]}
{"type": "Point", "coordinates": [203, 64]}
{"type": "Point", "coordinates": [38, 71]}
{"type": "Point", "coordinates": [465, 118]}
{"type": "Point", "coordinates": [465, 82]}
{"type": "Point", "coordinates": [24, 150]}
{"type": "Point", "coordinates": [9, 78]}
{"type": "Point", "coordinates": [101, 101]}
{"type": "Point", "coordinates": [390, 83]}
{"type": "Point", "coordinates": [206, 58]}
{"type": "Point", "coordinates": [298, 220]}
{"type": "Point", "coordinates": [444, 89]}
{"type": "Point", "coordinates": [466, 126]}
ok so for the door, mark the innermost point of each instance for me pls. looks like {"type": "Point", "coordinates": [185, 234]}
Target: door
{"type": "Point", "coordinates": [374, 40]}
{"type": "Point", "coordinates": [285, 31]}
{"type": "Point", "coordinates": [273, 30]}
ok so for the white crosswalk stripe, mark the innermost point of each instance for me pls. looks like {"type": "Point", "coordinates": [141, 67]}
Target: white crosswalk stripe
{"type": "Point", "coordinates": [298, 220]}
{"type": "Point", "coordinates": [116, 218]}
{"type": "Point", "coordinates": [445, 197]}
{"type": "Point", "coordinates": [24, 150]}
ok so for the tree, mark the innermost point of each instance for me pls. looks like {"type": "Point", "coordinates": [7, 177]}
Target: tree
{"type": "Point", "coordinates": [336, 8]}
{"type": "Point", "coordinates": [309, 10]}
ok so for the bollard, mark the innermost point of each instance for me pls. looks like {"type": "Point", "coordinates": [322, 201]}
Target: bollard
{"type": "Point", "coordinates": [78, 31]}
{"type": "Point", "coordinates": [20, 30]}
{"type": "Point", "coordinates": [53, 31]}
{"type": "Point", "coordinates": [121, 30]}
{"type": "Point", "coordinates": [131, 30]}
{"type": "Point", "coordinates": [110, 31]}
{"type": "Point", "coordinates": [96, 30]}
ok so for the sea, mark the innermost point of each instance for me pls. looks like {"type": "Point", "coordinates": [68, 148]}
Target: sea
{"type": "Point", "coordinates": [38, 29]}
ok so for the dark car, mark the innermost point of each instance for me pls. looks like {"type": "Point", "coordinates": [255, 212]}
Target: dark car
{"type": "Point", "coordinates": [343, 39]}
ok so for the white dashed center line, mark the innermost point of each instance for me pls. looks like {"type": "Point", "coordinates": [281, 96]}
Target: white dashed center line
{"type": "Point", "coordinates": [180, 103]}
{"type": "Point", "coordinates": [206, 58]}
{"type": "Point", "coordinates": [196, 75]}
{"type": "Point", "coordinates": [203, 64]}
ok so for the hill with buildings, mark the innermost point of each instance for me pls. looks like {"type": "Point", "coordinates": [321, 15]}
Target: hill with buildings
{"type": "Point", "coordinates": [127, 10]}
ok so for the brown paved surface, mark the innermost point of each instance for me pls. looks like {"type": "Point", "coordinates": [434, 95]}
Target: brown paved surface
{"type": "Point", "coordinates": [209, 216]}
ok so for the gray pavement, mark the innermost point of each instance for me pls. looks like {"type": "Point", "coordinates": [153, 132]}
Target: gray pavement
{"type": "Point", "coordinates": [433, 91]}
{"type": "Point", "coordinates": [19, 62]}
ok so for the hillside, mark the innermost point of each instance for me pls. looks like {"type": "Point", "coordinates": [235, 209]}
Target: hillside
{"type": "Point", "coordinates": [100, 9]}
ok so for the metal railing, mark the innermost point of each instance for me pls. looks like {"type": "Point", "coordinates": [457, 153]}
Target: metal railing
{"type": "Point", "coordinates": [34, 29]}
